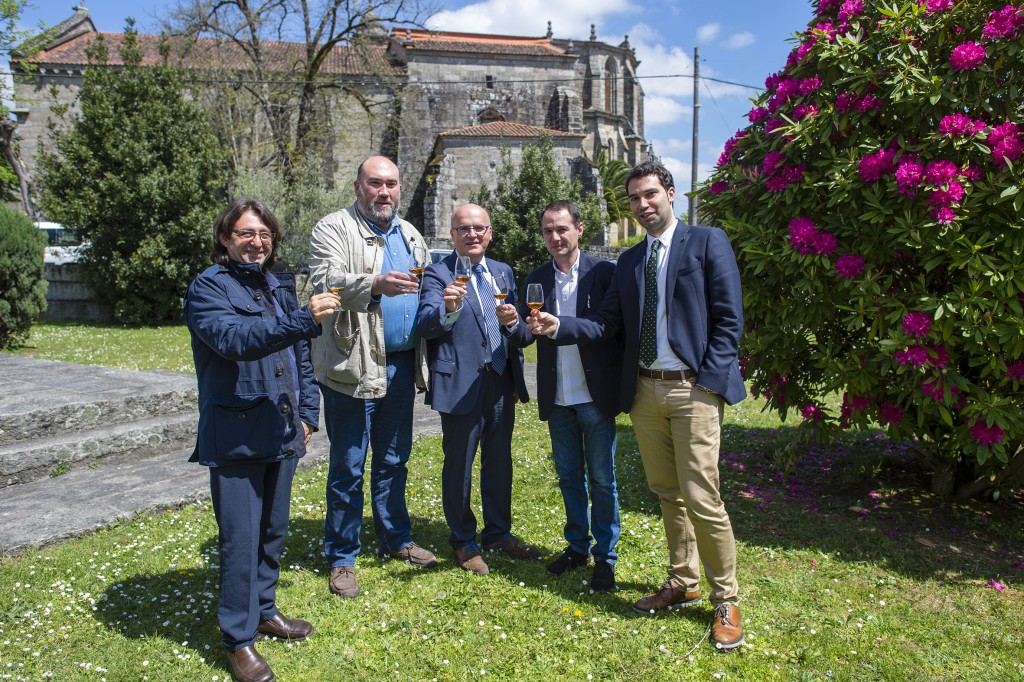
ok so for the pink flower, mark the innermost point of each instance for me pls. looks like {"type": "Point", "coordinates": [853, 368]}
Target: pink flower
{"type": "Point", "coordinates": [801, 234]}
{"type": "Point", "coordinates": [943, 216]}
{"type": "Point", "coordinates": [953, 193]}
{"type": "Point", "coordinates": [804, 110]}
{"type": "Point", "coordinates": [956, 125]}
{"type": "Point", "coordinates": [916, 356]}
{"type": "Point", "coordinates": [849, 9]}
{"type": "Point", "coordinates": [850, 265]}
{"type": "Point", "coordinates": [938, 355]}
{"type": "Point", "coordinates": [983, 434]}
{"type": "Point", "coordinates": [936, 5]}
{"type": "Point", "coordinates": [824, 243]}
{"type": "Point", "coordinates": [909, 175]}
{"type": "Point", "coordinates": [773, 124]}
{"type": "Point", "coordinates": [812, 412]}
{"type": "Point", "coordinates": [967, 56]}
{"type": "Point", "coordinates": [1015, 371]}
{"type": "Point", "coordinates": [772, 160]}
{"type": "Point", "coordinates": [809, 85]}
{"type": "Point", "coordinates": [890, 413]}
{"type": "Point", "coordinates": [757, 114]}
{"type": "Point", "coordinates": [973, 173]}
{"type": "Point", "coordinates": [719, 187]}
{"type": "Point", "coordinates": [799, 53]}
{"type": "Point", "coordinates": [1003, 23]}
{"type": "Point", "coordinates": [827, 28]}
{"type": "Point", "coordinates": [917, 324]}
{"type": "Point", "coordinates": [869, 102]}
{"type": "Point", "coordinates": [874, 166]}
{"type": "Point", "coordinates": [996, 585]}
{"type": "Point", "coordinates": [938, 173]}
{"type": "Point", "coordinates": [1004, 141]}
{"type": "Point", "coordinates": [846, 102]}
{"type": "Point", "coordinates": [936, 390]}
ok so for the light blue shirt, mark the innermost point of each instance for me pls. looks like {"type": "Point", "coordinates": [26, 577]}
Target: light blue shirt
{"type": "Point", "coordinates": [399, 312]}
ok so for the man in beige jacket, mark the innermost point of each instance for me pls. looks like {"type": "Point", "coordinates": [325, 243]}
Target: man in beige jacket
{"type": "Point", "coordinates": [369, 362]}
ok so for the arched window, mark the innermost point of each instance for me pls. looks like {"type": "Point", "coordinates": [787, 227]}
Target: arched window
{"type": "Point", "coordinates": [588, 87]}
{"type": "Point", "coordinates": [628, 105]}
{"type": "Point", "coordinates": [611, 86]}
{"type": "Point", "coordinates": [489, 115]}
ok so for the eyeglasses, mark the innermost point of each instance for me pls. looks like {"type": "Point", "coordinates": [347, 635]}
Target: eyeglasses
{"type": "Point", "coordinates": [470, 229]}
{"type": "Point", "coordinates": [249, 235]}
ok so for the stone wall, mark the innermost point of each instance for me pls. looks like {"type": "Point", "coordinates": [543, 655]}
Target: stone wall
{"type": "Point", "coordinates": [67, 297]}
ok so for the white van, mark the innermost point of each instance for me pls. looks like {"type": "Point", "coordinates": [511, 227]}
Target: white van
{"type": "Point", "coordinates": [61, 246]}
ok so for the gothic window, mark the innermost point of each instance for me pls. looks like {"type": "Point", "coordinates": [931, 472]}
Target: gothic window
{"type": "Point", "coordinates": [588, 88]}
{"type": "Point", "coordinates": [628, 94]}
{"type": "Point", "coordinates": [611, 86]}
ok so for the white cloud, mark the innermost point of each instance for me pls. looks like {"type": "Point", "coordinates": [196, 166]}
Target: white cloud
{"type": "Point", "coordinates": [708, 32]}
{"type": "Point", "coordinates": [569, 19]}
{"type": "Point", "coordinates": [675, 145]}
{"type": "Point", "coordinates": [738, 40]}
{"type": "Point", "coordinates": [663, 110]}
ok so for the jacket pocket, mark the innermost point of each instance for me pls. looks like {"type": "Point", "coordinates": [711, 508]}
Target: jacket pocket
{"type": "Point", "coordinates": [253, 429]}
{"type": "Point", "coordinates": [345, 364]}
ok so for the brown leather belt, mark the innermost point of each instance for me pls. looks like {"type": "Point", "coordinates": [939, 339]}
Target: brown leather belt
{"type": "Point", "coordinates": [666, 375]}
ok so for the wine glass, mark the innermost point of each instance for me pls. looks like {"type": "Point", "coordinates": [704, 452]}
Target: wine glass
{"type": "Point", "coordinates": [419, 260]}
{"type": "Point", "coordinates": [534, 296]}
{"type": "Point", "coordinates": [501, 287]}
{"type": "Point", "coordinates": [335, 280]}
{"type": "Point", "coordinates": [463, 269]}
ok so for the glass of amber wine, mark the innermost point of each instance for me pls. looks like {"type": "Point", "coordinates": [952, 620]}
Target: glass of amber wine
{"type": "Point", "coordinates": [335, 280]}
{"type": "Point", "coordinates": [419, 260]}
{"type": "Point", "coordinates": [463, 269]}
{"type": "Point", "coordinates": [534, 297]}
{"type": "Point", "coordinates": [500, 287]}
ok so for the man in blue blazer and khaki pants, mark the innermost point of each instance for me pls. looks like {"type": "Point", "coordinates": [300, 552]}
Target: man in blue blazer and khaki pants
{"type": "Point", "coordinates": [677, 300]}
{"type": "Point", "coordinates": [475, 364]}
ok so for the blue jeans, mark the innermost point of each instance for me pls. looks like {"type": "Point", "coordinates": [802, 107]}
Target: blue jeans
{"type": "Point", "coordinates": [385, 424]}
{"type": "Point", "coordinates": [583, 449]}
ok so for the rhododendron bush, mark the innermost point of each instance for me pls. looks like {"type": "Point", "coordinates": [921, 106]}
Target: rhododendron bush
{"type": "Point", "coordinates": [874, 202]}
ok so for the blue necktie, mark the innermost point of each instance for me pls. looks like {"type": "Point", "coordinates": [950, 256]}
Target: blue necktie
{"type": "Point", "coordinates": [497, 345]}
{"type": "Point", "coordinates": [649, 324]}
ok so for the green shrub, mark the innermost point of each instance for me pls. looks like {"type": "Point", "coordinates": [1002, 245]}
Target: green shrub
{"type": "Point", "coordinates": [22, 287]}
{"type": "Point", "coordinates": [874, 203]}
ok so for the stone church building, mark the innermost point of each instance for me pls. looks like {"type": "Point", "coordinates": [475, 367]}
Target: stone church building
{"type": "Point", "coordinates": [441, 104]}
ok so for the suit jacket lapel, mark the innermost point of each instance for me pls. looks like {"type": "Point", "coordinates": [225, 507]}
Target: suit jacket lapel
{"type": "Point", "coordinates": [675, 257]}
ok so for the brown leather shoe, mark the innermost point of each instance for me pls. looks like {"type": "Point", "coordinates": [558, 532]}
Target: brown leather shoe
{"type": "Point", "coordinates": [415, 555]}
{"type": "Point", "coordinates": [515, 548]}
{"type": "Point", "coordinates": [469, 559]}
{"type": "Point", "coordinates": [246, 665]}
{"type": "Point", "coordinates": [343, 581]}
{"type": "Point", "coordinates": [281, 627]}
{"type": "Point", "coordinates": [667, 595]}
{"type": "Point", "coordinates": [727, 627]}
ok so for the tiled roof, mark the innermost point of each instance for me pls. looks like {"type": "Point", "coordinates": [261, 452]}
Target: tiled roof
{"type": "Point", "coordinates": [442, 41]}
{"type": "Point", "coordinates": [210, 54]}
{"type": "Point", "coordinates": [507, 129]}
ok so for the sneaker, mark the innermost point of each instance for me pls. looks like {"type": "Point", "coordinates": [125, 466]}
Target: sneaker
{"type": "Point", "coordinates": [343, 581]}
{"type": "Point", "coordinates": [603, 579]}
{"type": "Point", "coordinates": [415, 555]}
{"type": "Point", "coordinates": [515, 548]}
{"type": "Point", "coordinates": [727, 627]}
{"type": "Point", "coordinates": [569, 560]}
{"type": "Point", "coordinates": [468, 557]}
{"type": "Point", "coordinates": [667, 595]}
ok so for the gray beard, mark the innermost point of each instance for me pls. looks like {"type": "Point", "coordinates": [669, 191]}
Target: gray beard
{"type": "Point", "coordinates": [379, 217]}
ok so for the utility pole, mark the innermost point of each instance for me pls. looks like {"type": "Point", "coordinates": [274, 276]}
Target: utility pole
{"type": "Point", "coordinates": [694, 159]}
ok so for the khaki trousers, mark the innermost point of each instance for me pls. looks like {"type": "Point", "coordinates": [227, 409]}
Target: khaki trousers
{"type": "Point", "coordinates": [678, 429]}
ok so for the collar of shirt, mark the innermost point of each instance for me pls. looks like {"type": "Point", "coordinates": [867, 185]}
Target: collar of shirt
{"type": "Point", "coordinates": [665, 237]}
{"type": "Point", "coordinates": [566, 276]}
{"type": "Point", "coordinates": [394, 225]}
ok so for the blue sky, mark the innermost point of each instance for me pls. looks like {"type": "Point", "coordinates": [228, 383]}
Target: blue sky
{"type": "Point", "coordinates": [740, 41]}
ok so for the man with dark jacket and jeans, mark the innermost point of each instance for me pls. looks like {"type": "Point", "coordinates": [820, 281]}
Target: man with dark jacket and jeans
{"type": "Point", "coordinates": [258, 406]}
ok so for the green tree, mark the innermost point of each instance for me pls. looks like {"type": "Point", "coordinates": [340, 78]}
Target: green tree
{"type": "Point", "coordinates": [613, 174]}
{"type": "Point", "coordinates": [521, 193]}
{"type": "Point", "coordinates": [137, 174]}
{"type": "Point", "coordinates": [875, 205]}
{"type": "Point", "coordinates": [13, 177]}
{"type": "Point", "coordinates": [22, 287]}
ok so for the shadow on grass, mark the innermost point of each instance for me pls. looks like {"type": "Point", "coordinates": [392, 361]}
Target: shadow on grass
{"type": "Point", "coordinates": [864, 499]}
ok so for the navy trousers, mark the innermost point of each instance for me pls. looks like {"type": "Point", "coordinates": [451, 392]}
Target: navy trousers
{"type": "Point", "coordinates": [251, 503]}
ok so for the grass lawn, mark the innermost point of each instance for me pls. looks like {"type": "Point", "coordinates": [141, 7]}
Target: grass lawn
{"type": "Point", "coordinates": [848, 571]}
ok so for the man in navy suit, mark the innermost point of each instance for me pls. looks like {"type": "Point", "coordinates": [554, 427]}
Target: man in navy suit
{"type": "Point", "coordinates": [677, 300]}
{"type": "Point", "coordinates": [475, 362]}
{"type": "Point", "coordinates": [578, 396]}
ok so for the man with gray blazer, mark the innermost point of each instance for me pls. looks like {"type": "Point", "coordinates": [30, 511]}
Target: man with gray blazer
{"type": "Point", "coordinates": [475, 364]}
{"type": "Point", "coordinates": [578, 396]}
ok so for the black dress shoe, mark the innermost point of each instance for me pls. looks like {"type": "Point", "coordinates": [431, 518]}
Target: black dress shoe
{"type": "Point", "coordinates": [569, 560]}
{"type": "Point", "coordinates": [285, 628]}
{"type": "Point", "coordinates": [246, 665]}
{"type": "Point", "coordinates": [603, 579]}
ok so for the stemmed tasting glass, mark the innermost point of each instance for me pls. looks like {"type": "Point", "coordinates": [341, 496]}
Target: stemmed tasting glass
{"type": "Point", "coordinates": [463, 269]}
{"type": "Point", "coordinates": [335, 280]}
{"type": "Point", "coordinates": [419, 260]}
{"type": "Point", "coordinates": [534, 296]}
{"type": "Point", "coordinates": [500, 287]}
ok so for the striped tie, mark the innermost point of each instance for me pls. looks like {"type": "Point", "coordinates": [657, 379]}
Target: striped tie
{"type": "Point", "coordinates": [497, 345]}
{"type": "Point", "coordinates": [649, 325]}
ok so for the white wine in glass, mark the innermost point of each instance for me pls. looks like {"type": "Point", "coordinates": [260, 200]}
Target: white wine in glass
{"type": "Point", "coordinates": [535, 296]}
{"type": "Point", "coordinates": [335, 281]}
{"type": "Point", "coordinates": [463, 269]}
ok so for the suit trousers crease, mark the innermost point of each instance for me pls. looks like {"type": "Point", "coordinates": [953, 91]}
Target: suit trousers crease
{"type": "Point", "coordinates": [678, 431]}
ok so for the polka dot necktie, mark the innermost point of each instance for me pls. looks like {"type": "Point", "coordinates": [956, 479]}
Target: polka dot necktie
{"type": "Point", "coordinates": [649, 325]}
{"type": "Point", "coordinates": [494, 340]}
